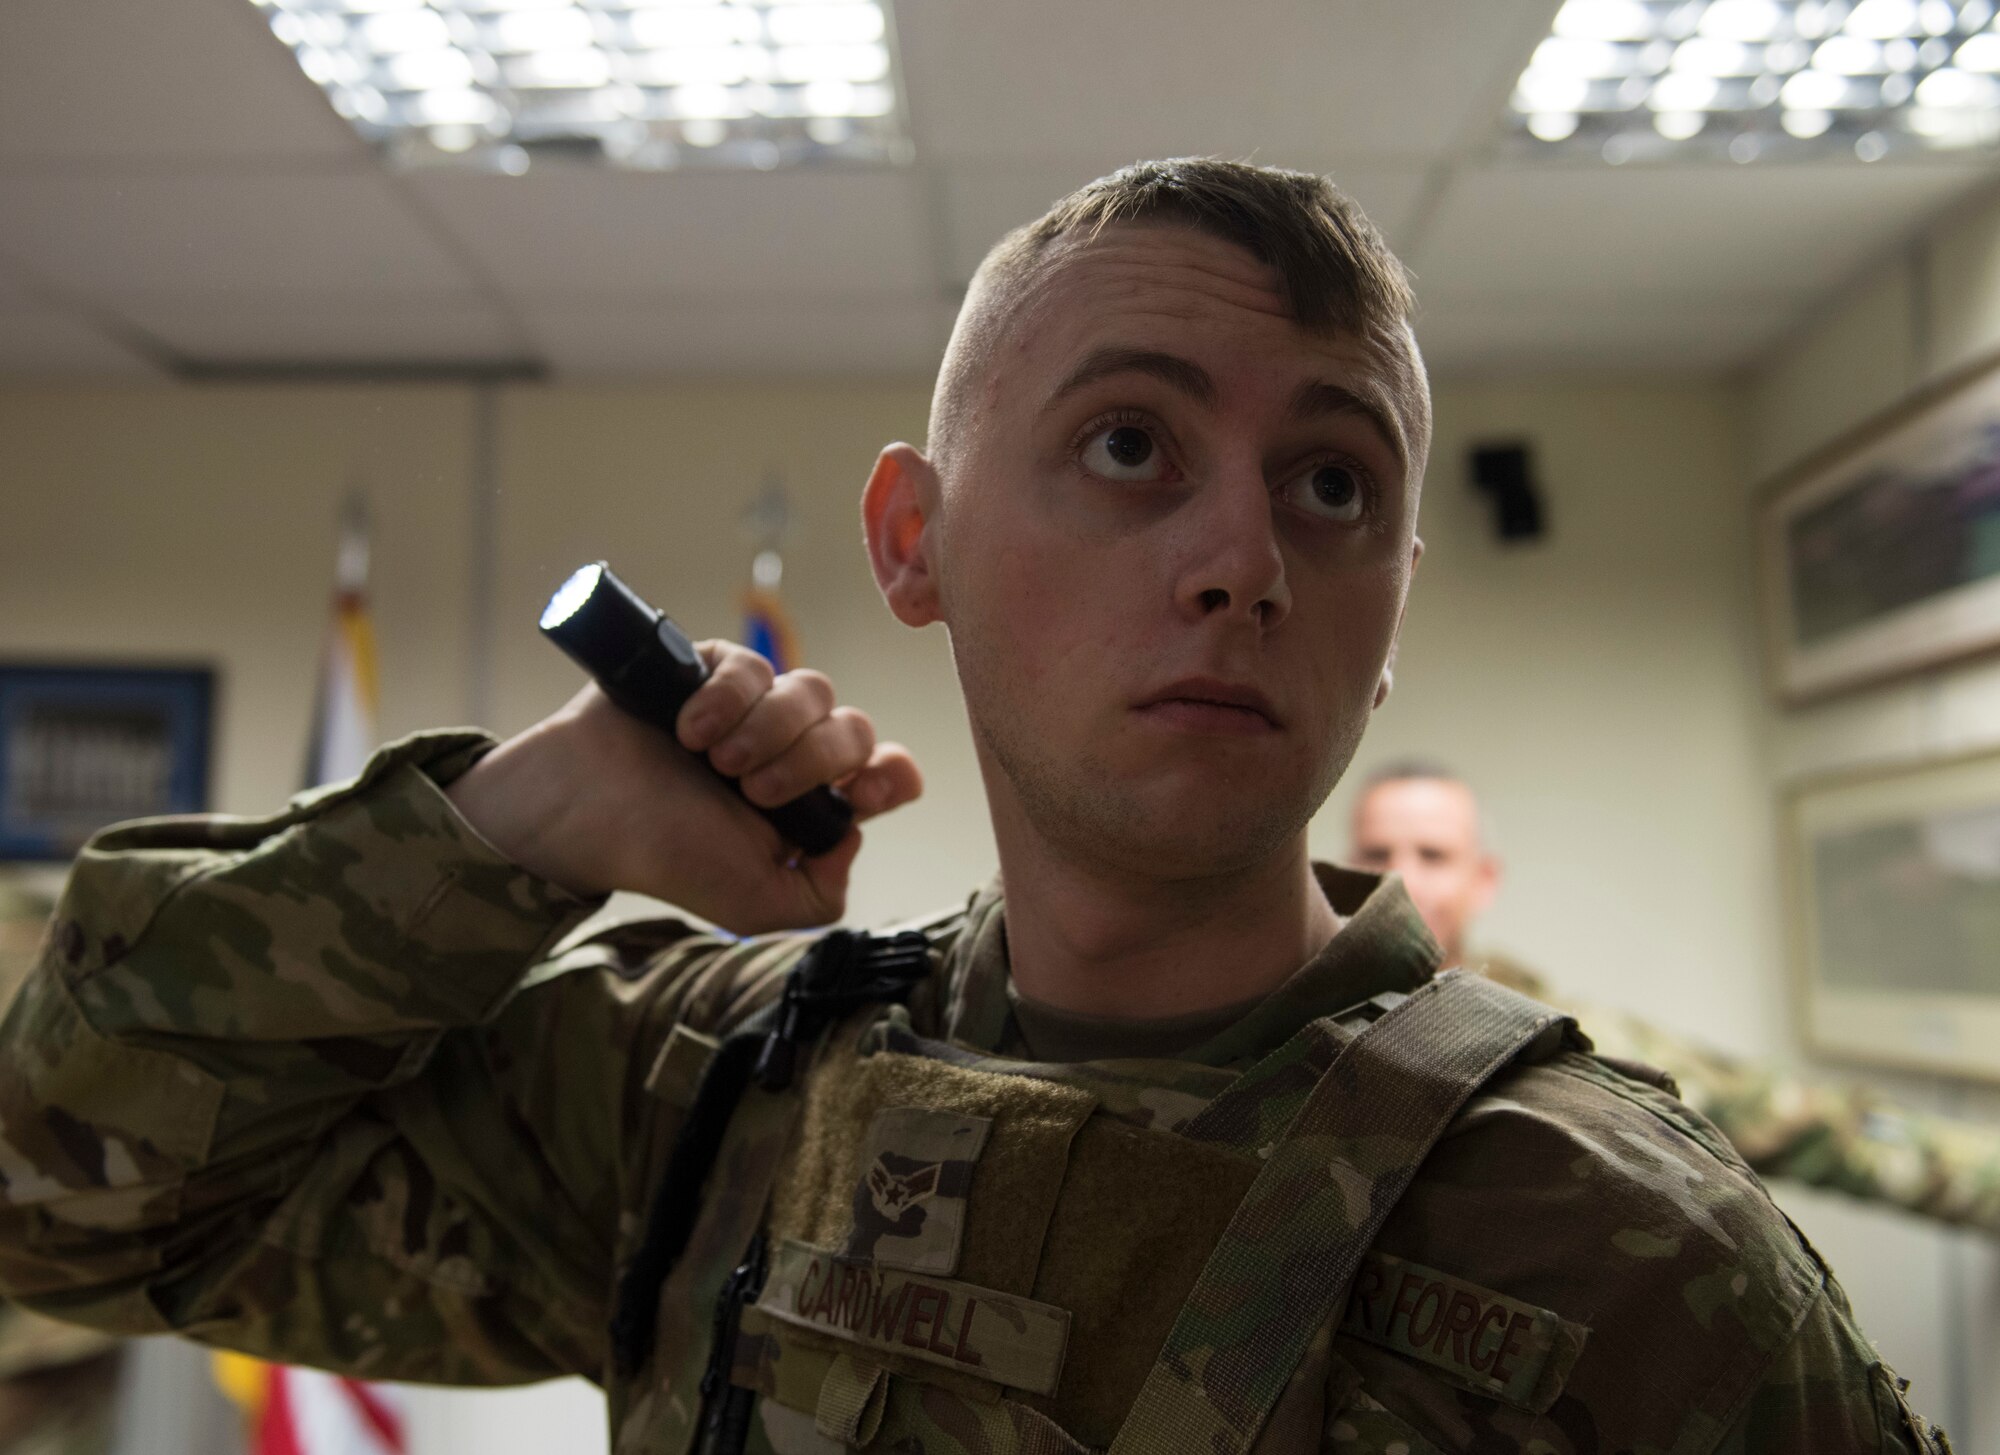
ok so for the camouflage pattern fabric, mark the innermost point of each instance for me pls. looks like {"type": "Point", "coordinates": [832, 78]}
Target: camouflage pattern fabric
{"type": "Point", "coordinates": [1284, 1266]}
{"type": "Point", "coordinates": [1845, 1138]}
{"type": "Point", "coordinates": [58, 1382]}
{"type": "Point", "coordinates": [326, 1087]}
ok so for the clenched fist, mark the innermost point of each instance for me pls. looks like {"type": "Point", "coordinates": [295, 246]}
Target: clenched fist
{"type": "Point", "coordinates": [594, 800]}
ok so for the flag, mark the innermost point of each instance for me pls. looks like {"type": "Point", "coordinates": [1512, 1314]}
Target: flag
{"type": "Point", "coordinates": [303, 1411]}
{"type": "Point", "coordinates": [767, 629]}
{"type": "Point", "coordinates": [307, 1412]}
{"type": "Point", "coordinates": [344, 731]}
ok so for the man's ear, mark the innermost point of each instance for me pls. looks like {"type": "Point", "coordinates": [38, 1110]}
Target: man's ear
{"type": "Point", "coordinates": [896, 509]}
{"type": "Point", "coordinates": [1388, 682]}
{"type": "Point", "coordinates": [1486, 883]}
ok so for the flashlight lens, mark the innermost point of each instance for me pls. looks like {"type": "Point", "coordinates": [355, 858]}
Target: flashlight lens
{"type": "Point", "coordinates": [571, 595]}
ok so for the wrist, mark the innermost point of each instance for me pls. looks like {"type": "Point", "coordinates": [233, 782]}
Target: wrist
{"type": "Point", "coordinates": [516, 799]}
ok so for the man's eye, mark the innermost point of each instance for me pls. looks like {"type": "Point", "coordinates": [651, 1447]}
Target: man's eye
{"type": "Point", "coordinates": [1331, 489]}
{"type": "Point", "coordinates": [1125, 452]}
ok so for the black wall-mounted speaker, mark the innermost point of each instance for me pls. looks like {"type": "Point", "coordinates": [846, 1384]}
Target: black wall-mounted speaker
{"type": "Point", "coordinates": [1505, 474]}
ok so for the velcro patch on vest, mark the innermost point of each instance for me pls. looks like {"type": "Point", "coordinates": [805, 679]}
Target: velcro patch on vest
{"type": "Point", "coordinates": [1504, 1348]}
{"type": "Point", "coordinates": [1011, 1341]}
{"type": "Point", "coordinates": [909, 1206]}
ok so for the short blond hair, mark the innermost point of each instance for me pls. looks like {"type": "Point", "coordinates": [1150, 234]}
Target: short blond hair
{"type": "Point", "coordinates": [1337, 272]}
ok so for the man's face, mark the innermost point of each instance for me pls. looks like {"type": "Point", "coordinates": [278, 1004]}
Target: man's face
{"type": "Point", "coordinates": [1427, 830]}
{"type": "Point", "coordinates": [1176, 542]}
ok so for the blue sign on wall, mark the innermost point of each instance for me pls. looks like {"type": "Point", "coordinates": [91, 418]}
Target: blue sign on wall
{"type": "Point", "coordinates": [86, 746]}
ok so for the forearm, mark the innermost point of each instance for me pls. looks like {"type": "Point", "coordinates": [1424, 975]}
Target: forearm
{"type": "Point", "coordinates": [215, 997]}
{"type": "Point", "coordinates": [1845, 1138]}
{"type": "Point", "coordinates": [1849, 1139]}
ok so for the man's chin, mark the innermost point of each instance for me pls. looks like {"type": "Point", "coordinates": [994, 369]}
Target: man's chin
{"type": "Point", "coordinates": [1195, 827]}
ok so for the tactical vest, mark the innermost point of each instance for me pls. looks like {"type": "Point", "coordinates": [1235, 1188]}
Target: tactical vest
{"type": "Point", "coordinates": [913, 1247]}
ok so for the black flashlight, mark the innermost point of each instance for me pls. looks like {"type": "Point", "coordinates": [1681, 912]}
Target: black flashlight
{"type": "Point", "coordinates": [648, 667]}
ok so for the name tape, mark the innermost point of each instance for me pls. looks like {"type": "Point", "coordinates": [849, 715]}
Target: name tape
{"type": "Point", "coordinates": [1497, 1345]}
{"type": "Point", "coordinates": [1011, 1341]}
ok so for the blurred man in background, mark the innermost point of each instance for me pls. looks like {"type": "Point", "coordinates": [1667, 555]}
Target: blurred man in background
{"type": "Point", "coordinates": [57, 1381]}
{"type": "Point", "coordinates": [1422, 820]}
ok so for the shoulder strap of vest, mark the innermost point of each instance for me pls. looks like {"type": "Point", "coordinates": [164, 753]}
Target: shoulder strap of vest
{"type": "Point", "coordinates": [843, 971]}
{"type": "Point", "coordinates": [1285, 1263]}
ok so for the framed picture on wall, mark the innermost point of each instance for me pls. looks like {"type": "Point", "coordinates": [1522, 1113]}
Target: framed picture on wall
{"type": "Point", "coordinates": [1885, 558]}
{"type": "Point", "coordinates": [1896, 897]}
{"type": "Point", "coordinates": [86, 746]}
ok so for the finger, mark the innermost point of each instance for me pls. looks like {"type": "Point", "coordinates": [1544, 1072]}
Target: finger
{"type": "Point", "coordinates": [835, 747]}
{"type": "Point", "coordinates": [778, 719]}
{"type": "Point", "coordinates": [737, 678]}
{"type": "Point", "coordinates": [891, 779]}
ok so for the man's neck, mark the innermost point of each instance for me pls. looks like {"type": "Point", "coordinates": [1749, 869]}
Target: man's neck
{"type": "Point", "coordinates": [1104, 943]}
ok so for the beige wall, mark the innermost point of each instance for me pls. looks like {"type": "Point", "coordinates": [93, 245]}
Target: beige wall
{"type": "Point", "coordinates": [200, 525]}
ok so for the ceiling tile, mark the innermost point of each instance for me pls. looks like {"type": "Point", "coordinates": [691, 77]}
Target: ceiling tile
{"type": "Point", "coordinates": [1608, 334]}
{"type": "Point", "coordinates": [581, 233]}
{"type": "Point", "coordinates": [1044, 79]}
{"type": "Point", "coordinates": [127, 79]}
{"type": "Point", "coordinates": [55, 344]}
{"type": "Point", "coordinates": [108, 236]}
{"type": "Point", "coordinates": [983, 201]}
{"type": "Point", "coordinates": [1565, 231]}
{"type": "Point", "coordinates": [750, 337]}
{"type": "Point", "coordinates": [316, 329]}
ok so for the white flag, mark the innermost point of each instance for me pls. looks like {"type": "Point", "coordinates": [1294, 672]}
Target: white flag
{"type": "Point", "coordinates": [344, 721]}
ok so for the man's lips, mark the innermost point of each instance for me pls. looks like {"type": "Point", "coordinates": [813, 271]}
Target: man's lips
{"type": "Point", "coordinates": [1212, 704]}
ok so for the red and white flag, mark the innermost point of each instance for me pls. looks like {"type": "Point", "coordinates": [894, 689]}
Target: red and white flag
{"type": "Point", "coordinates": [305, 1412]}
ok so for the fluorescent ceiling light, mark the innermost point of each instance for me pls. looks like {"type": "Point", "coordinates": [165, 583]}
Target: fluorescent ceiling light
{"type": "Point", "coordinates": [1748, 80]}
{"type": "Point", "coordinates": [637, 83]}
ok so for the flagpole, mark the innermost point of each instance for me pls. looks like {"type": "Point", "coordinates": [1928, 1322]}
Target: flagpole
{"type": "Point", "coordinates": [482, 538]}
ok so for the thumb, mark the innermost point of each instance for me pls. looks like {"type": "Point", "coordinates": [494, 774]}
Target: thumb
{"type": "Point", "coordinates": [821, 881]}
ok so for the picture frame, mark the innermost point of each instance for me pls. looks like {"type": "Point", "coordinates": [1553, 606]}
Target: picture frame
{"type": "Point", "coordinates": [1895, 899]}
{"type": "Point", "coordinates": [1881, 556]}
{"type": "Point", "coordinates": [85, 745]}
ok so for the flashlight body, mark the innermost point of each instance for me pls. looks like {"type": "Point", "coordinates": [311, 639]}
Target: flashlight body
{"type": "Point", "coordinates": [647, 666]}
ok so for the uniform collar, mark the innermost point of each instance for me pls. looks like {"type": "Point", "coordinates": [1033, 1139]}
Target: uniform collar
{"type": "Point", "coordinates": [1382, 945]}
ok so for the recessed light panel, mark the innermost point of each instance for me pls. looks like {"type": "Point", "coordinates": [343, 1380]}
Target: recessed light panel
{"type": "Point", "coordinates": [1748, 80]}
{"type": "Point", "coordinates": [648, 84]}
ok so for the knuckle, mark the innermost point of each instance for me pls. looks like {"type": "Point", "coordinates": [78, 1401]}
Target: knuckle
{"type": "Point", "coordinates": [738, 666]}
{"type": "Point", "coordinates": [769, 787]}
{"type": "Point", "coordinates": [815, 685]}
{"type": "Point", "coordinates": [742, 679]}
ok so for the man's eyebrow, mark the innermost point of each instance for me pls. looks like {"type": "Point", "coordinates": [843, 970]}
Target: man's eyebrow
{"type": "Point", "coordinates": [1175, 372]}
{"type": "Point", "coordinates": [1318, 400]}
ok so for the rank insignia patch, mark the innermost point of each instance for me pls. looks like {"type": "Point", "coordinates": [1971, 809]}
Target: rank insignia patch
{"type": "Point", "coordinates": [909, 1205]}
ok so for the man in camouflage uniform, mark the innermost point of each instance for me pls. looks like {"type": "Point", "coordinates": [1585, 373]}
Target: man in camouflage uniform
{"type": "Point", "coordinates": [1421, 821]}
{"type": "Point", "coordinates": [58, 1382]}
{"type": "Point", "coordinates": [1209, 1157]}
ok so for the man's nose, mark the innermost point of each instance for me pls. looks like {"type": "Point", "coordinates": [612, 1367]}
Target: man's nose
{"type": "Point", "coordinates": [1235, 565]}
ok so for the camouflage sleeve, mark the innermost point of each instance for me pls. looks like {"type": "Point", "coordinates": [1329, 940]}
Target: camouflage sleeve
{"type": "Point", "coordinates": [309, 1087]}
{"type": "Point", "coordinates": [1848, 1139]}
{"type": "Point", "coordinates": [1828, 1392]}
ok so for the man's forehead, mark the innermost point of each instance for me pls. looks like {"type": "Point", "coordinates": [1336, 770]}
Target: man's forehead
{"type": "Point", "coordinates": [1176, 293]}
{"type": "Point", "coordinates": [1138, 276]}
{"type": "Point", "coordinates": [1418, 804]}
